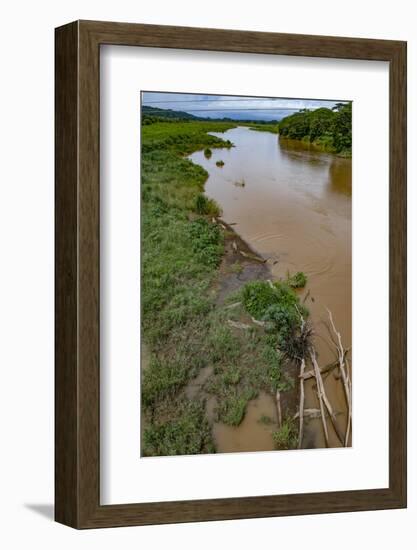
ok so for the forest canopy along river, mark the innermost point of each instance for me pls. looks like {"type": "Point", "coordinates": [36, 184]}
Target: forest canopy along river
{"type": "Point", "coordinates": [224, 295]}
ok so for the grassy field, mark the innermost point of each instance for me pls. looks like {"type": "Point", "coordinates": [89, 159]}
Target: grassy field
{"type": "Point", "coordinates": [273, 128]}
{"type": "Point", "coordinates": [184, 326]}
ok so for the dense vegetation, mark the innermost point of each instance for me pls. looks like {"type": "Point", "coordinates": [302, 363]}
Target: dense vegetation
{"type": "Point", "coordinates": [185, 329]}
{"type": "Point", "coordinates": [329, 129]}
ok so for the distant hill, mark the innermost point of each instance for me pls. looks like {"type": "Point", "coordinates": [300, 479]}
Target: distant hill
{"type": "Point", "coordinates": [154, 114]}
{"type": "Point", "coordinates": [151, 115]}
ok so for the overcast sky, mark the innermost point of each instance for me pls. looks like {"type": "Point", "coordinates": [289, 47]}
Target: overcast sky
{"type": "Point", "coordinates": [236, 107]}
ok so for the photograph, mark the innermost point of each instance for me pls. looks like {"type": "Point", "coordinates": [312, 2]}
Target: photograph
{"type": "Point", "coordinates": [246, 259]}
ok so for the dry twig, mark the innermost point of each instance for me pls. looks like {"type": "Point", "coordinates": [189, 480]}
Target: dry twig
{"type": "Point", "coordinates": [301, 408]}
{"type": "Point", "coordinates": [345, 377]}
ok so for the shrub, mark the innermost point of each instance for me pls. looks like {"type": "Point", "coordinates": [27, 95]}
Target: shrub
{"type": "Point", "coordinates": [258, 296]}
{"type": "Point", "coordinates": [207, 152]}
{"type": "Point", "coordinates": [219, 163]}
{"type": "Point", "coordinates": [278, 305]}
{"type": "Point", "coordinates": [299, 280]}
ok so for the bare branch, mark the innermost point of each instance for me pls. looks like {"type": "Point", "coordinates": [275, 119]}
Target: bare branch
{"type": "Point", "coordinates": [301, 409]}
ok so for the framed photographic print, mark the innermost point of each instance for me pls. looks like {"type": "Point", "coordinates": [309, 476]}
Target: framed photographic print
{"type": "Point", "coordinates": [230, 274]}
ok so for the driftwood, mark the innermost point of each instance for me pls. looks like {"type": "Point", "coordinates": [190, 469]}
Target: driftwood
{"type": "Point", "coordinates": [323, 370]}
{"type": "Point", "coordinates": [349, 388]}
{"type": "Point", "coordinates": [260, 323]}
{"type": "Point", "coordinates": [252, 257]}
{"type": "Point", "coordinates": [311, 413]}
{"type": "Point", "coordinates": [327, 368]}
{"type": "Point", "coordinates": [345, 377]}
{"type": "Point", "coordinates": [308, 413]}
{"type": "Point", "coordinates": [279, 412]}
{"type": "Point", "coordinates": [320, 391]}
{"type": "Point", "coordinates": [324, 403]}
{"type": "Point", "coordinates": [323, 396]}
{"type": "Point", "coordinates": [301, 409]}
{"type": "Point", "coordinates": [231, 306]}
{"type": "Point", "coordinates": [236, 324]}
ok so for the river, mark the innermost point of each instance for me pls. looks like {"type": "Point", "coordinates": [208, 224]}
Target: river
{"type": "Point", "coordinates": [292, 205]}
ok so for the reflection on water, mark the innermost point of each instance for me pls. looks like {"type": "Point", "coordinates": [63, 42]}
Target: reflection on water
{"type": "Point", "coordinates": [340, 176]}
{"type": "Point", "coordinates": [295, 210]}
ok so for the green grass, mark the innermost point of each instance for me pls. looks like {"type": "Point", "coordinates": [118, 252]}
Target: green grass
{"type": "Point", "coordinates": [273, 128]}
{"type": "Point", "coordinates": [233, 407]}
{"type": "Point", "coordinates": [236, 268]}
{"type": "Point", "coordinates": [266, 420]}
{"type": "Point", "coordinates": [181, 251]}
{"type": "Point", "coordinates": [206, 206]}
{"type": "Point", "coordinates": [188, 433]}
{"type": "Point", "coordinates": [286, 437]}
{"type": "Point", "coordinates": [245, 363]}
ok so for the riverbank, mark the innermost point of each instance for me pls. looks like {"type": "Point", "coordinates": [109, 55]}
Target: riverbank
{"type": "Point", "coordinates": [316, 146]}
{"type": "Point", "coordinates": [295, 210]}
{"type": "Point", "coordinates": [196, 323]}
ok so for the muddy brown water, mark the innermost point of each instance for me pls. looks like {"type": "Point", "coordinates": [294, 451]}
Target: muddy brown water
{"type": "Point", "coordinates": [292, 205]}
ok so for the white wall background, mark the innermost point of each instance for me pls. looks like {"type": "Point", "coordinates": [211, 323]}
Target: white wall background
{"type": "Point", "coordinates": [26, 272]}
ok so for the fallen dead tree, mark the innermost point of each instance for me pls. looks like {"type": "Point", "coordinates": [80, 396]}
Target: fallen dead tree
{"type": "Point", "coordinates": [310, 414]}
{"type": "Point", "coordinates": [306, 375]}
{"type": "Point", "coordinates": [324, 402]}
{"type": "Point", "coordinates": [326, 369]}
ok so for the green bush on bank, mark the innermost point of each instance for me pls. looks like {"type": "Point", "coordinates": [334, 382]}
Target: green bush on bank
{"type": "Point", "coordinates": [298, 280]}
{"type": "Point", "coordinates": [279, 307]}
{"type": "Point", "coordinates": [330, 129]}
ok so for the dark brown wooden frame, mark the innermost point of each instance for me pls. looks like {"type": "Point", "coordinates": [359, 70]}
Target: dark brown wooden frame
{"type": "Point", "coordinates": [77, 372]}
